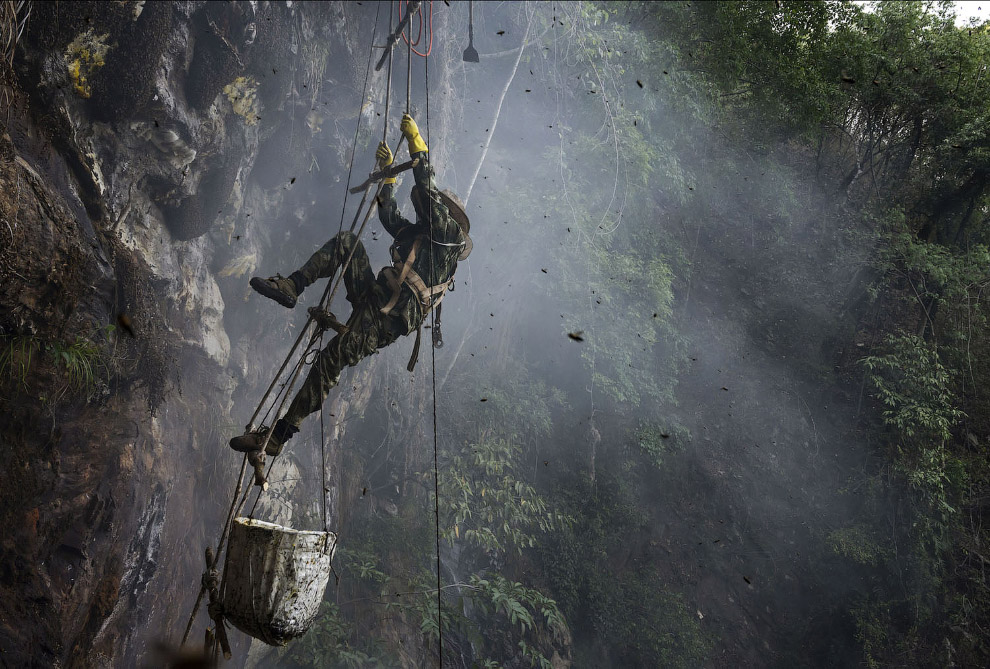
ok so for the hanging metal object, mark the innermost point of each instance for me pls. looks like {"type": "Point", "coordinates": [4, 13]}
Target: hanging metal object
{"type": "Point", "coordinates": [470, 53]}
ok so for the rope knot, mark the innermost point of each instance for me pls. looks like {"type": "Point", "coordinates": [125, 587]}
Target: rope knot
{"type": "Point", "coordinates": [215, 610]}
{"type": "Point", "coordinates": [211, 580]}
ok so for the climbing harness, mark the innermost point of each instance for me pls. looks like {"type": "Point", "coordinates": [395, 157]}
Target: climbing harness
{"type": "Point", "coordinates": [402, 274]}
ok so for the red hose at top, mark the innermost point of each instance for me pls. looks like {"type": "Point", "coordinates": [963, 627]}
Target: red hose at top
{"type": "Point", "coordinates": [419, 34]}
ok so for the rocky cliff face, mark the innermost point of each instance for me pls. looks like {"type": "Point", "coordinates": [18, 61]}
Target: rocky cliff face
{"type": "Point", "coordinates": [155, 156]}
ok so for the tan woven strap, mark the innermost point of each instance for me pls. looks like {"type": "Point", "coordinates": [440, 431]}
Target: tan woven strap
{"type": "Point", "coordinates": [425, 295]}
{"type": "Point", "coordinates": [397, 278]}
{"type": "Point", "coordinates": [426, 300]}
{"type": "Point", "coordinates": [405, 274]}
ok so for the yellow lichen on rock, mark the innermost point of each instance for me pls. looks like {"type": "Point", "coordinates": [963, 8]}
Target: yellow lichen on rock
{"type": "Point", "coordinates": [240, 266]}
{"type": "Point", "coordinates": [243, 95]}
{"type": "Point", "coordinates": [84, 56]}
{"type": "Point", "coordinates": [314, 120]}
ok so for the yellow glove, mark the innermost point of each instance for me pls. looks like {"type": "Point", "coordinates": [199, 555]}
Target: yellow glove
{"type": "Point", "coordinates": [411, 132]}
{"type": "Point", "coordinates": [384, 156]}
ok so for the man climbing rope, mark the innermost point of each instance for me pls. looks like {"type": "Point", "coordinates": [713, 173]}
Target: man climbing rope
{"type": "Point", "coordinates": [394, 304]}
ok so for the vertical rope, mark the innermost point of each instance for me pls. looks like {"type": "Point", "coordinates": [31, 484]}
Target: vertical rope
{"type": "Point", "coordinates": [236, 506]}
{"type": "Point", "coordinates": [323, 463]}
{"type": "Point", "coordinates": [388, 80]}
{"type": "Point", "coordinates": [408, 68]}
{"type": "Point", "coordinates": [433, 350]}
{"type": "Point", "coordinates": [364, 96]}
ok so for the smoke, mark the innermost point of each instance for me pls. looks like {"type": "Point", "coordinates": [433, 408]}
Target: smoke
{"type": "Point", "coordinates": [703, 297]}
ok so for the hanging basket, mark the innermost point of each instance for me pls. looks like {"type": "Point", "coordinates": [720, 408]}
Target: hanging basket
{"type": "Point", "coordinates": [274, 579]}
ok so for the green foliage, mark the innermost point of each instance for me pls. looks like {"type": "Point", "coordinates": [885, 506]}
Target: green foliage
{"type": "Point", "coordinates": [857, 544]}
{"type": "Point", "coordinates": [485, 503]}
{"type": "Point", "coordinates": [363, 564]}
{"type": "Point", "coordinates": [872, 629]}
{"type": "Point", "coordinates": [326, 645]}
{"type": "Point", "coordinates": [656, 443]}
{"type": "Point", "coordinates": [618, 619]}
{"type": "Point", "coordinates": [16, 356]}
{"type": "Point", "coordinates": [419, 605]}
{"type": "Point", "coordinates": [914, 386]}
{"type": "Point", "coordinates": [879, 630]}
{"type": "Point", "coordinates": [633, 296]}
{"type": "Point", "coordinates": [523, 606]}
{"type": "Point", "coordinates": [614, 278]}
{"type": "Point", "coordinates": [939, 279]}
{"type": "Point", "coordinates": [79, 363]}
{"type": "Point", "coordinates": [506, 605]}
{"type": "Point", "coordinates": [512, 419]}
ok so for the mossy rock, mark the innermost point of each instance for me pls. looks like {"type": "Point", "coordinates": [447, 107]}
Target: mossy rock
{"type": "Point", "coordinates": [123, 85]}
{"type": "Point", "coordinates": [213, 66]}
{"type": "Point", "coordinates": [54, 24]}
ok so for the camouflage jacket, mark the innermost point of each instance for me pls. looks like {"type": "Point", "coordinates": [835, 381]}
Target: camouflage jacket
{"type": "Point", "coordinates": [435, 262]}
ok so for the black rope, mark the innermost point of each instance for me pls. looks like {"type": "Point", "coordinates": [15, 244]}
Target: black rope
{"type": "Point", "coordinates": [327, 298]}
{"type": "Point", "coordinates": [433, 351]}
{"type": "Point", "coordinates": [388, 80]}
{"type": "Point", "coordinates": [408, 67]}
{"type": "Point", "coordinates": [357, 130]}
{"type": "Point", "coordinates": [323, 462]}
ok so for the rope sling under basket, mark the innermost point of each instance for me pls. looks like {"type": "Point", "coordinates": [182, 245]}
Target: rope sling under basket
{"type": "Point", "coordinates": [274, 577]}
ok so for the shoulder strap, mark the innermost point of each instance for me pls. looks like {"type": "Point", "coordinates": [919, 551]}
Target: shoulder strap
{"type": "Point", "coordinates": [396, 279]}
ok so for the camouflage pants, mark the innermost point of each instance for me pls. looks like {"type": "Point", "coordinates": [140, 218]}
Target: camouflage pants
{"type": "Point", "coordinates": [369, 329]}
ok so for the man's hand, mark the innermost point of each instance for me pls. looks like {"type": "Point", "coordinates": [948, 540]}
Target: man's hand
{"type": "Point", "coordinates": [384, 154]}
{"type": "Point", "coordinates": [385, 158]}
{"type": "Point", "coordinates": [325, 320]}
{"type": "Point", "coordinates": [411, 132]}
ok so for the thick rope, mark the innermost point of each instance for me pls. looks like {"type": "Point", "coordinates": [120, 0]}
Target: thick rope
{"type": "Point", "coordinates": [223, 538]}
{"type": "Point", "coordinates": [408, 65]}
{"type": "Point", "coordinates": [364, 96]}
{"type": "Point", "coordinates": [328, 296]}
{"type": "Point", "coordinates": [388, 79]}
{"type": "Point", "coordinates": [433, 352]}
{"type": "Point", "coordinates": [327, 299]}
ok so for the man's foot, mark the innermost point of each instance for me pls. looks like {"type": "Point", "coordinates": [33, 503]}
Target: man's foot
{"type": "Point", "coordinates": [253, 441]}
{"type": "Point", "coordinates": [278, 288]}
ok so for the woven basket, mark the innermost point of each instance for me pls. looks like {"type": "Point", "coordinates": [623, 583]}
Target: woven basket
{"type": "Point", "coordinates": [275, 578]}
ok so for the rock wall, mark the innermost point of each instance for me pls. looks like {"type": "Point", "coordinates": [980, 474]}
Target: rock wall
{"type": "Point", "coordinates": [156, 155]}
